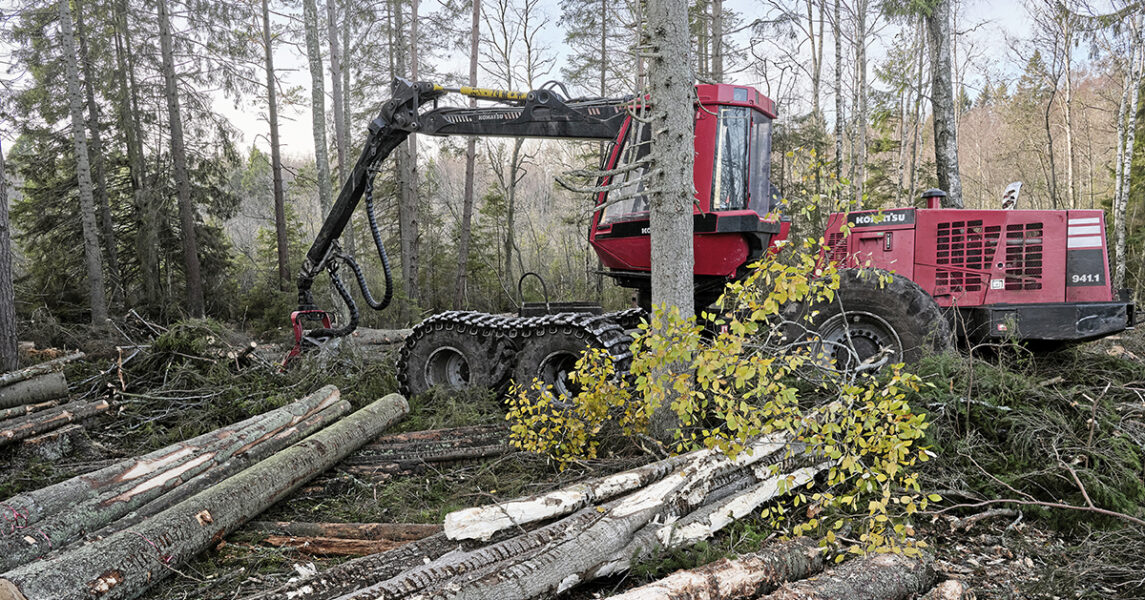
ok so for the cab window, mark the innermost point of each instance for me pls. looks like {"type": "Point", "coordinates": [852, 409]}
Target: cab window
{"type": "Point", "coordinates": [628, 200]}
{"type": "Point", "coordinates": [730, 179]}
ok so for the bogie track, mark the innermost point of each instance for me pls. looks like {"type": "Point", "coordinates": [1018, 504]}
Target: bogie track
{"type": "Point", "coordinates": [460, 349]}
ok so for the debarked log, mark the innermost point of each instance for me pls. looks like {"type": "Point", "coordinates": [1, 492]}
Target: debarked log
{"type": "Point", "coordinates": [878, 577]}
{"type": "Point", "coordinates": [38, 369]}
{"type": "Point", "coordinates": [243, 448]}
{"type": "Point", "coordinates": [46, 386]}
{"type": "Point", "coordinates": [30, 507]}
{"type": "Point", "coordinates": [125, 564]}
{"type": "Point", "coordinates": [14, 430]}
{"type": "Point", "coordinates": [744, 577]}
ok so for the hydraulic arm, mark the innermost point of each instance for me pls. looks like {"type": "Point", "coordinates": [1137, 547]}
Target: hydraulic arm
{"type": "Point", "coordinates": [539, 113]}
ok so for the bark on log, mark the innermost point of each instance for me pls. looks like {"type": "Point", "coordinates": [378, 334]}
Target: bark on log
{"type": "Point", "coordinates": [744, 577]}
{"type": "Point", "coordinates": [595, 541]}
{"type": "Point", "coordinates": [38, 369]}
{"type": "Point", "coordinates": [39, 388]}
{"type": "Point", "coordinates": [360, 572]}
{"type": "Point", "coordinates": [27, 409]}
{"type": "Point", "coordinates": [213, 476]}
{"type": "Point", "coordinates": [242, 449]}
{"type": "Point", "coordinates": [14, 430]}
{"type": "Point", "coordinates": [416, 442]}
{"type": "Point", "coordinates": [329, 546]}
{"type": "Point", "coordinates": [879, 577]}
{"type": "Point", "coordinates": [399, 532]}
{"type": "Point", "coordinates": [30, 507]}
{"type": "Point", "coordinates": [53, 445]}
{"type": "Point", "coordinates": [125, 564]}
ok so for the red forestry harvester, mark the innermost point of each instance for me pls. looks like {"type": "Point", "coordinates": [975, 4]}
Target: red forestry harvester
{"type": "Point", "coordinates": [1036, 276]}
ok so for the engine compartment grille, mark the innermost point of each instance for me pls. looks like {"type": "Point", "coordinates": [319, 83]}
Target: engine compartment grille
{"type": "Point", "coordinates": [1024, 256]}
{"type": "Point", "coordinates": [963, 252]}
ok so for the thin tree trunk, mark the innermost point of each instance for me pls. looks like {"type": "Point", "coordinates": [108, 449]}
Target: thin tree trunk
{"type": "Point", "coordinates": [106, 222]}
{"type": "Point", "coordinates": [511, 211]}
{"type": "Point", "coordinates": [461, 289]}
{"type": "Point", "coordinates": [838, 31]}
{"type": "Point", "coordinates": [281, 242]}
{"type": "Point", "coordinates": [942, 101]}
{"type": "Point", "coordinates": [39, 368]}
{"type": "Point", "coordinates": [147, 229]}
{"type": "Point", "coordinates": [317, 103]}
{"type": "Point", "coordinates": [408, 206]}
{"type": "Point", "coordinates": [91, 247]}
{"type": "Point", "coordinates": [22, 428]}
{"type": "Point", "coordinates": [194, 278]}
{"type": "Point", "coordinates": [127, 563]}
{"type": "Point", "coordinates": [338, 92]}
{"type": "Point", "coordinates": [401, 532]}
{"type": "Point", "coordinates": [9, 345]}
{"type": "Point", "coordinates": [1053, 170]}
{"type": "Point", "coordinates": [860, 183]}
{"type": "Point", "coordinates": [1125, 157]}
{"type": "Point", "coordinates": [717, 40]}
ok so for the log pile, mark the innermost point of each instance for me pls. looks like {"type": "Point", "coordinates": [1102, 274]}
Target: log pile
{"type": "Point", "coordinates": [30, 402]}
{"type": "Point", "coordinates": [146, 515]}
{"type": "Point", "coordinates": [545, 544]}
{"type": "Point", "coordinates": [415, 453]}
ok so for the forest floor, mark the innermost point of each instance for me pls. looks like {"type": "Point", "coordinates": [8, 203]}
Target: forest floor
{"type": "Point", "coordinates": [1006, 425]}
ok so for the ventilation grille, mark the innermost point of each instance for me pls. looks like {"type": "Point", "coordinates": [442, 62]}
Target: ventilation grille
{"type": "Point", "coordinates": [837, 248]}
{"type": "Point", "coordinates": [1024, 256]}
{"type": "Point", "coordinates": [964, 249]}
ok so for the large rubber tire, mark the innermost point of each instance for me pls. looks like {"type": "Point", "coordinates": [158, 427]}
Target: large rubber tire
{"type": "Point", "coordinates": [867, 317]}
{"type": "Point", "coordinates": [452, 356]}
{"type": "Point", "coordinates": [550, 357]}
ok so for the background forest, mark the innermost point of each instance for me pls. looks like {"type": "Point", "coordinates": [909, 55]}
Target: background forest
{"type": "Point", "coordinates": [157, 149]}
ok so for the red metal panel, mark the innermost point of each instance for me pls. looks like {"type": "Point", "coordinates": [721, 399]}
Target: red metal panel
{"type": "Point", "coordinates": [1087, 258]}
{"type": "Point", "coordinates": [876, 239]}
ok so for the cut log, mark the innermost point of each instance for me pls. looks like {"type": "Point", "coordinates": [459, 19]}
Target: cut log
{"type": "Point", "coordinates": [386, 467]}
{"type": "Point", "coordinates": [328, 546]}
{"type": "Point", "coordinates": [879, 577]}
{"type": "Point", "coordinates": [38, 388]}
{"type": "Point", "coordinates": [483, 521]}
{"type": "Point", "coordinates": [398, 532]}
{"type": "Point", "coordinates": [53, 445]}
{"type": "Point", "coordinates": [14, 430]}
{"type": "Point", "coordinates": [125, 564]}
{"type": "Point", "coordinates": [38, 369]}
{"type": "Point", "coordinates": [27, 409]}
{"type": "Point", "coordinates": [261, 451]}
{"type": "Point", "coordinates": [241, 449]}
{"type": "Point", "coordinates": [30, 507]}
{"type": "Point", "coordinates": [744, 577]}
{"type": "Point", "coordinates": [360, 572]}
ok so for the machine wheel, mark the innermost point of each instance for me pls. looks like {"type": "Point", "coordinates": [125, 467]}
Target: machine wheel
{"type": "Point", "coordinates": [450, 357]}
{"type": "Point", "coordinates": [866, 318]}
{"type": "Point", "coordinates": [550, 357]}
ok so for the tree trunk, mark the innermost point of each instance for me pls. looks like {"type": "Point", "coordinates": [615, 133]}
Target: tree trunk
{"type": "Point", "coordinates": [328, 546]}
{"type": "Point", "coordinates": [106, 222]}
{"type": "Point", "coordinates": [942, 103]}
{"type": "Point", "coordinates": [1126, 136]}
{"type": "Point", "coordinates": [38, 504]}
{"type": "Point", "coordinates": [38, 369]}
{"type": "Point", "coordinates": [147, 235]}
{"type": "Point", "coordinates": [192, 272]}
{"type": "Point", "coordinates": [408, 207]}
{"type": "Point", "coordinates": [860, 183]}
{"type": "Point", "coordinates": [879, 577]}
{"type": "Point", "coordinates": [671, 201]}
{"type": "Point", "coordinates": [127, 563]}
{"type": "Point", "coordinates": [9, 358]}
{"type": "Point", "coordinates": [189, 471]}
{"type": "Point", "coordinates": [280, 234]}
{"type": "Point", "coordinates": [717, 41]}
{"type": "Point", "coordinates": [743, 577]}
{"type": "Point", "coordinates": [340, 145]}
{"type": "Point", "coordinates": [837, 30]}
{"type": "Point", "coordinates": [91, 250]}
{"type": "Point", "coordinates": [400, 532]}
{"type": "Point", "coordinates": [48, 386]}
{"type": "Point", "coordinates": [317, 104]}
{"type": "Point", "coordinates": [461, 289]}
{"type": "Point", "coordinates": [22, 428]}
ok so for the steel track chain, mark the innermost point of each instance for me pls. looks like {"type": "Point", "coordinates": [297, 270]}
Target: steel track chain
{"type": "Point", "coordinates": [608, 331]}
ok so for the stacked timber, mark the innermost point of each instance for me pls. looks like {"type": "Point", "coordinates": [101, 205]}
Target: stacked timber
{"type": "Point", "coordinates": [544, 544]}
{"type": "Point", "coordinates": [414, 453]}
{"type": "Point", "coordinates": [30, 402]}
{"type": "Point", "coordinates": [153, 512]}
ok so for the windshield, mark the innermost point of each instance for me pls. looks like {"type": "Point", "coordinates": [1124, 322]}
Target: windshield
{"type": "Point", "coordinates": [729, 185]}
{"type": "Point", "coordinates": [627, 200]}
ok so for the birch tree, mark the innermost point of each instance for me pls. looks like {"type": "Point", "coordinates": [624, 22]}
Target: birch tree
{"type": "Point", "coordinates": [1128, 109]}
{"type": "Point", "coordinates": [91, 249]}
{"type": "Point", "coordinates": [942, 103]}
